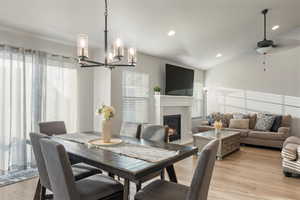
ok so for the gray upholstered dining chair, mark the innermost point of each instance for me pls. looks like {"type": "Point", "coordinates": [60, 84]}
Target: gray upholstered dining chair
{"type": "Point", "coordinates": [130, 129]}
{"type": "Point", "coordinates": [64, 186]}
{"type": "Point", "coordinates": [53, 128]}
{"type": "Point", "coordinates": [79, 170]}
{"type": "Point", "coordinates": [156, 133]}
{"type": "Point", "coordinates": [198, 190]}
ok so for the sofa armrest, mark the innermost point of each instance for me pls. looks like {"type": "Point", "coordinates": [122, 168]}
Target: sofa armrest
{"type": "Point", "coordinates": [284, 131]}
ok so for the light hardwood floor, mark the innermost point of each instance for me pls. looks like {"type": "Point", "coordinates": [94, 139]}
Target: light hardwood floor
{"type": "Point", "coordinates": [250, 174]}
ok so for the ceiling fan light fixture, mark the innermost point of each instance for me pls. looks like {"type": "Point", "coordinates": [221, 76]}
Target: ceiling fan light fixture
{"type": "Point", "coordinates": [264, 50]}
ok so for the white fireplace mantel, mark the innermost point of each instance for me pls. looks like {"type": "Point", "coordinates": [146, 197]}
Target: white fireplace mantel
{"type": "Point", "coordinates": [175, 105]}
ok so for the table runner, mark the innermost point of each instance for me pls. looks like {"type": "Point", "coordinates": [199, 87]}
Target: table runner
{"type": "Point", "coordinates": [138, 151]}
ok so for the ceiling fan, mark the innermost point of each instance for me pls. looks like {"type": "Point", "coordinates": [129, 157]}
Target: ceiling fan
{"type": "Point", "coordinates": [265, 46]}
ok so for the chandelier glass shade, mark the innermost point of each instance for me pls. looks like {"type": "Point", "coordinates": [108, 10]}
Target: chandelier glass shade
{"type": "Point", "coordinates": [111, 59]}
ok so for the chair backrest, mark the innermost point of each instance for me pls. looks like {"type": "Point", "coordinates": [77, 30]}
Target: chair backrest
{"type": "Point", "coordinates": [40, 161]}
{"type": "Point", "coordinates": [130, 129]}
{"type": "Point", "coordinates": [59, 169]}
{"type": "Point", "coordinates": [53, 128]}
{"type": "Point", "coordinates": [155, 133]}
{"type": "Point", "coordinates": [203, 172]}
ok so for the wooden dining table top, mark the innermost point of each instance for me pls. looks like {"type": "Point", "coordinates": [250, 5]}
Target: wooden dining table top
{"type": "Point", "coordinates": [122, 165]}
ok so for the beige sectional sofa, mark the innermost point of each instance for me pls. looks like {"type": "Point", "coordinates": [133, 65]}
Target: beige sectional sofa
{"type": "Point", "coordinates": [255, 137]}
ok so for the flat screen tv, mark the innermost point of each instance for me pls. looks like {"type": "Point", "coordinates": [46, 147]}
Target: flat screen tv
{"type": "Point", "coordinates": [179, 81]}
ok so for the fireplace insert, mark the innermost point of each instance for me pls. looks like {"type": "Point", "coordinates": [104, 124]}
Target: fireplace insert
{"type": "Point", "coordinates": [174, 124]}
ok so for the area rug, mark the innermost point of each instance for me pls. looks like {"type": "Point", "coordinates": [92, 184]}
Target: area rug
{"type": "Point", "coordinates": [19, 176]}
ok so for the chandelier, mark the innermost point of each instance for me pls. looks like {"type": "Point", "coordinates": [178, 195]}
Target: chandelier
{"type": "Point", "coordinates": [111, 59]}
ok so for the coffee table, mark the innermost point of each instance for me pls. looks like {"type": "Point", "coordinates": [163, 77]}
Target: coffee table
{"type": "Point", "coordinates": [229, 141]}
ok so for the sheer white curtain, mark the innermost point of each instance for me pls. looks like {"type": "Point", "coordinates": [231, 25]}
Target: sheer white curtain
{"type": "Point", "coordinates": [135, 96]}
{"type": "Point", "coordinates": [21, 78]}
{"type": "Point", "coordinates": [27, 97]}
{"type": "Point", "coordinates": [61, 92]}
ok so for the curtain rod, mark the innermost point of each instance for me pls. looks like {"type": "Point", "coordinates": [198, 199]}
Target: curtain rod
{"type": "Point", "coordinates": [33, 50]}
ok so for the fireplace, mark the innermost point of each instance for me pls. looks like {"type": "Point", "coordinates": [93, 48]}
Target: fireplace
{"type": "Point", "coordinates": [174, 124]}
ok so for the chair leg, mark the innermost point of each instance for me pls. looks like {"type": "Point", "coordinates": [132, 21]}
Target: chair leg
{"type": "Point", "coordinates": [37, 194]}
{"type": "Point", "coordinates": [43, 193]}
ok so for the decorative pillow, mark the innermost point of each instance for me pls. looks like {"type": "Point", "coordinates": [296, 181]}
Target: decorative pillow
{"type": "Point", "coordinates": [276, 124]}
{"type": "Point", "coordinates": [238, 116]}
{"type": "Point", "coordinates": [264, 122]}
{"type": "Point", "coordinates": [227, 118]}
{"type": "Point", "coordinates": [210, 120]}
{"type": "Point", "coordinates": [252, 120]}
{"type": "Point", "coordinates": [239, 123]}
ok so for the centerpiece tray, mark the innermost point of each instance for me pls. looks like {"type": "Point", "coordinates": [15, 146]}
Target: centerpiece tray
{"type": "Point", "coordinates": [100, 142]}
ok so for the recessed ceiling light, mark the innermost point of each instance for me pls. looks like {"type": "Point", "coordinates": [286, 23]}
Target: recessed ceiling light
{"type": "Point", "coordinates": [171, 33]}
{"type": "Point", "coordinates": [219, 55]}
{"type": "Point", "coordinates": [275, 27]}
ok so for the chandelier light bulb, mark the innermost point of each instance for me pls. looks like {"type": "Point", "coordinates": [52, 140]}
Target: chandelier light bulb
{"type": "Point", "coordinates": [82, 45]}
{"type": "Point", "coordinates": [132, 56]}
{"type": "Point", "coordinates": [110, 57]}
{"type": "Point", "coordinates": [118, 49]}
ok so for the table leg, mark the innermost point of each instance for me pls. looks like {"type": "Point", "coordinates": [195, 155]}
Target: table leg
{"type": "Point", "coordinates": [171, 172]}
{"type": "Point", "coordinates": [126, 189]}
{"type": "Point", "coordinates": [37, 194]}
{"type": "Point", "coordinates": [138, 186]}
{"type": "Point", "coordinates": [162, 174]}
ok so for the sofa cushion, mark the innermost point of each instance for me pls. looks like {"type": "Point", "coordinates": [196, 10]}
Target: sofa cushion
{"type": "Point", "coordinates": [290, 152]}
{"type": "Point", "coordinates": [239, 123]}
{"type": "Point", "coordinates": [266, 135]}
{"type": "Point", "coordinates": [276, 124]}
{"type": "Point", "coordinates": [264, 122]}
{"type": "Point", "coordinates": [244, 132]}
{"type": "Point", "coordinates": [286, 121]}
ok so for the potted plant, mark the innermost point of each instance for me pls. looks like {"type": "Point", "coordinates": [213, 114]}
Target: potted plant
{"type": "Point", "coordinates": [108, 112]}
{"type": "Point", "coordinates": [156, 90]}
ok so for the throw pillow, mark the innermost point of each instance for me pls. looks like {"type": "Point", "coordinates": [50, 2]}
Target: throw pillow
{"type": "Point", "coordinates": [238, 116]}
{"type": "Point", "coordinates": [252, 120]}
{"type": "Point", "coordinates": [276, 124]}
{"type": "Point", "coordinates": [264, 122]}
{"type": "Point", "coordinates": [239, 123]}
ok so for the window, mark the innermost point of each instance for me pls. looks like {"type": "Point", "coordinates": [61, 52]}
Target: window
{"type": "Point", "coordinates": [230, 100]}
{"type": "Point", "coordinates": [135, 86]}
{"type": "Point", "coordinates": [197, 108]}
{"type": "Point", "coordinates": [198, 103]}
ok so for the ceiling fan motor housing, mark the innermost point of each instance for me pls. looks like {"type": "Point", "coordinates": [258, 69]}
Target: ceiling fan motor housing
{"type": "Point", "coordinates": [265, 43]}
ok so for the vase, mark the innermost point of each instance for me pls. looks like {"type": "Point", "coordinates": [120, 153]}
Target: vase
{"type": "Point", "coordinates": [156, 93]}
{"type": "Point", "coordinates": [106, 130]}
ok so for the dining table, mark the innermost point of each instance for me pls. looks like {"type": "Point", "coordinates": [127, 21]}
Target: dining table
{"type": "Point", "coordinates": [130, 168]}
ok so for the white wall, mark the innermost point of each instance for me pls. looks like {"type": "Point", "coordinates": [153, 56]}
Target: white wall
{"type": "Point", "coordinates": [246, 73]}
{"type": "Point", "coordinates": [153, 66]}
{"type": "Point", "coordinates": [85, 76]}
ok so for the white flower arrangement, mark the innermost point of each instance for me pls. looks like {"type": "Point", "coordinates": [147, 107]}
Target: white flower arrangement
{"type": "Point", "coordinates": [108, 112]}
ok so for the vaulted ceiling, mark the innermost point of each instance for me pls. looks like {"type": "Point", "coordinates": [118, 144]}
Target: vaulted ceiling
{"type": "Point", "coordinates": [203, 27]}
